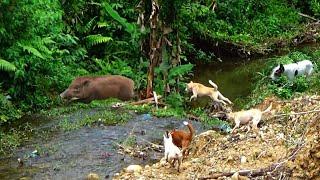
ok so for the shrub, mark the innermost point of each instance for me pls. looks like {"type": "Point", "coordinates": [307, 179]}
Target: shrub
{"type": "Point", "coordinates": [7, 110]}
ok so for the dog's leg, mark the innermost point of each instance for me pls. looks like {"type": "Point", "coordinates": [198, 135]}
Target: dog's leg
{"type": "Point", "coordinates": [217, 100]}
{"type": "Point", "coordinates": [174, 162]}
{"type": "Point", "coordinates": [184, 150]}
{"type": "Point", "coordinates": [195, 94]}
{"type": "Point", "coordinates": [248, 128]}
{"type": "Point", "coordinates": [220, 96]}
{"type": "Point", "coordinates": [255, 122]}
{"type": "Point", "coordinates": [236, 126]}
{"type": "Point", "coordinates": [220, 101]}
{"type": "Point", "coordinates": [179, 163]}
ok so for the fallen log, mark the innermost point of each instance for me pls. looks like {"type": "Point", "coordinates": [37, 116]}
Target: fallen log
{"type": "Point", "coordinates": [249, 173]}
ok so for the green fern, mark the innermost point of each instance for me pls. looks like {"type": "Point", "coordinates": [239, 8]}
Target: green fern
{"type": "Point", "coordinates": [6, 66]}
{"type": "Point", "coordinates": [41, 46]}
{"type": "Point", "coordinates": [97, 39]}
{"type": "Point", "coordinates": [31, 50]}
{"type": "Point", "coordinates": [89, 25]}
{"type": "Point", "coordinates": [102, 24]}
{"type": "Point", "coordinates": [47, 40]}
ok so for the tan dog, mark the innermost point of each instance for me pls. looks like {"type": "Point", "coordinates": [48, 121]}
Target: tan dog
{"type": "Point", "coordinates": [249, 116]}
{"type": "Point", "coordinates": [200, 90]}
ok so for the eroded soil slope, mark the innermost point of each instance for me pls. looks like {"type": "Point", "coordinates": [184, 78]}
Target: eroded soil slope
{"type": "Point", "coordinates": [286, 147]}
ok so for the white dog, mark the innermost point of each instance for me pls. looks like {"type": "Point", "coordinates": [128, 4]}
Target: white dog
{"type": "Point", "coordinates": [304, 67]}
{"type": "Point", "coordinates": [171, 151]}
{"type": "Point", "coordinates": [249, 116]}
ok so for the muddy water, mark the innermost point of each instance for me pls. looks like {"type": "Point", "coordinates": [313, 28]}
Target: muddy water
{"type": "Point", "coordinates": [74, 154]}
{"type": "Point", "coordinates": [234, 77]}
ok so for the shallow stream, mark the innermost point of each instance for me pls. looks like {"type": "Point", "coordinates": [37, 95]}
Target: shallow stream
{"type": "Point", "coordinates": [74, 154]}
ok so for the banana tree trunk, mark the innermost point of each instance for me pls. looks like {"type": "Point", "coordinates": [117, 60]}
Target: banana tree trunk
{"type": "Point", "coordinates": [154, 54]}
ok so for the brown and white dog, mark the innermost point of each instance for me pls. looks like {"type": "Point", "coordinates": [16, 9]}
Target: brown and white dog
{"type": "Point", "coordinates": [200, 90]}
{"type": "Point", "coordinates": [182, 139]}
{"type": "Point", "coordinates": [247, 116]}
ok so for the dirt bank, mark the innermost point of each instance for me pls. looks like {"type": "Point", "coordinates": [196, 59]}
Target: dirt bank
{"type": "Point", "coordinates": [286, 147]}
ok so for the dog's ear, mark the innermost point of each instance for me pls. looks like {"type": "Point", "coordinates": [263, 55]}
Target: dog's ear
{"type": "Point", "coordinates": [281, 68]}
{"type": "Point", "coordinates": [167, 134]}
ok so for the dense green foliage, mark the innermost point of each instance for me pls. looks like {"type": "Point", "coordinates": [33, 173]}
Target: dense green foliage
{"type": "Point", "coordinates": [45, 44]}
{"type": "Point", "coordinates": [244, 21]}
{"type": "Point", "coordinates": [283, 88]}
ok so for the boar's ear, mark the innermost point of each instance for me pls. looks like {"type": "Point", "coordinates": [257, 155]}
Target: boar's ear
{"type": "Point", "coordinates": [281, 68]}
{"type": "Point", "coordinates": [86, 83]}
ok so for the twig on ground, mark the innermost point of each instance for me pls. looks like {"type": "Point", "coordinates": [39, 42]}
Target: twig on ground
{"type": "Point", "coordinates": [125, 150]}
{"type": "Point", "coordinates": [155, 99]}
{"type": "Point", "coordinates": [190, 116]}
{"type": "Point", "coordinates": [298, 113]}
{"type": "Point", "coordinates": [155, 145]}
{"type": "Point", "coordinates": [309, 17]}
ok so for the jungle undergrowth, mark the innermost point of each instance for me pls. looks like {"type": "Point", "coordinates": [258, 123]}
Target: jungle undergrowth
{"type": "Point", "coordinates": [106, 117]}
{"type": "Point", "coordinates": [13, 138]}
{"type": "Point", "coordinates": [282, 87]}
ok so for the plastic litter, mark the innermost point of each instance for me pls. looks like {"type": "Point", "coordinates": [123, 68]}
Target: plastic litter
{"type": "Point", "coordinates": [146, 117]}
{"type": "Point", "coordinates": [34, 153]}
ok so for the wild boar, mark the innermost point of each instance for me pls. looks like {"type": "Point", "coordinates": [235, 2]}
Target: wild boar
{"type": "Point", "coordinates": [86, 88]}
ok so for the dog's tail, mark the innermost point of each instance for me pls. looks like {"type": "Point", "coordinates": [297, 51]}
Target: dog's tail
{"type": "Point", "coordinates": [268, 109]}
{"type": "Point", "coordinates": [213, 84]}
{"type": "Point", "coordinates": [191, 129]}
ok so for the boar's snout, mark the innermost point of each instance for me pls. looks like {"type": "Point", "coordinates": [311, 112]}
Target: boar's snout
{"type": "Point", "coordinates": [68, 95]}
{"type": "Point", "coordinates": [63, 95]}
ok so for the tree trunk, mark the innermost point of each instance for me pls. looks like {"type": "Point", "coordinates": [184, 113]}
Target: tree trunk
{"type": "Point", "coordinates": [154, 53]}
